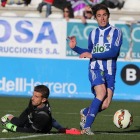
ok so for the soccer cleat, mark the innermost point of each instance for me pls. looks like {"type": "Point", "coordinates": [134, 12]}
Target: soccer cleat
{"type": "Point", "coordinates": [4, 120]}
{"type": "Point", "coordinates": [72, 131]}
{"type": "Point", "coordinates": [83, 119]}
{"type": "Point", "coordinates": [87, 131]}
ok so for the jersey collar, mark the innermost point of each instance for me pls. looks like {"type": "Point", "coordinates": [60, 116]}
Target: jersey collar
{"type": "Point", "coordinates": [102, 28]}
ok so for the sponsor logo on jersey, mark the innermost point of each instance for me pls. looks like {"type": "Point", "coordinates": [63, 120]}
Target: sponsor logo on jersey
{"type": "Point", "coordinates": [101, 48]}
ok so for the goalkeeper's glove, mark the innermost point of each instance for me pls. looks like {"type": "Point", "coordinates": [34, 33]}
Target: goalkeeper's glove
{"type": "Point", "coordinates": [6, 124]}
{"type": "Point", "coordinates": [11, 127]}
{"type": "Point", "coordinates": [4, 120]}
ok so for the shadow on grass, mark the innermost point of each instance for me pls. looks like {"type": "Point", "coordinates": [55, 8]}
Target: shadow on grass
{"type": "Point", "coordinates": [54, 132]}
{"type": "Point", "coordinates": [123, 131]}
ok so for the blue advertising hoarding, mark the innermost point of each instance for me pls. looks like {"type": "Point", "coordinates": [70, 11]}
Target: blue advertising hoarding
{"type": "Point", "coordinates": [65, 78]}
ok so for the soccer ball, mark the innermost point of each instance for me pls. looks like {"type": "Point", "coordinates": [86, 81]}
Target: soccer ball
{"type": "Point", "coordinates": [123, 119]}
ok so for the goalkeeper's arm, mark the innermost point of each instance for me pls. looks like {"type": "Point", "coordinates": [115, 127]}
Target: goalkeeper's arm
{"type": "Point", "coordinates": [11, 127]}
{"type": "Point", "coordinates": [14, 128]}
{"type": "Point", "coordinates": [57, 125]}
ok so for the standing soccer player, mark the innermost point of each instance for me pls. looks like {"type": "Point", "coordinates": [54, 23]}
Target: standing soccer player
{"type": "Point", "coordinates": [104, 45]}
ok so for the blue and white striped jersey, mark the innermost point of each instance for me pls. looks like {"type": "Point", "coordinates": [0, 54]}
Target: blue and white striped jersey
{"type": "Point", "coordinates": [104, 44]}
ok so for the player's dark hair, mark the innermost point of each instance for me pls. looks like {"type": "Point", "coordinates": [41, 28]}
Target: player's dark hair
{"type": "Point", "coordinates": [98, 7]}
{"type": "Point", "coordinates": [44, 90]}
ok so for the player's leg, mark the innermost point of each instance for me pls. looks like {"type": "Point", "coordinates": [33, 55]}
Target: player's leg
{"type": "Point", "coordinates": [93, 109]}
{"type": "Point", "coordinates": [103, 95]}
{"type": "Point", "coordinates": [99, 89]}
{"type": "Point", "coordinates": [40, 6]}
{"type": "Point", "coordinates": [105, 104]}
{"type": "Point", "coordinates": [95, 105]}
{"type": "Point", "coordinates": [48, 9]}
{"type": "Point", "coordinates": [95, 77]}
{"type": "Point", "coordinates": [107, 100]}
{"type": "Point", "coordinates": [110, 85]}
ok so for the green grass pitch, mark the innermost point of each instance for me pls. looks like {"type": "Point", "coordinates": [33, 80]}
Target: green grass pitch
{"type": "Point", "coordinates": [66, 112]}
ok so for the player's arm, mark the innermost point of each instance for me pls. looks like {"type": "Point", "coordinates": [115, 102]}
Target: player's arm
{"type": "Point", "coordinates": [41, 120]}
{"type": "Point", "coordinates": [14, 128]}
{"type": "Point", "coordinates": [72, 45]}
{"type": "Point", "coordinates": [18, 121]}
{"type": "Point", "coordinates": [14, 123]}
{"type": "Point", "coordinates": [87, 54]}
{"type": "Point", "coordinates": [80, 50]}
{"type": "Point", "coordinates": [23, 116]}
{"type": "Point", "coordinates": [56, 125]}
{"type": "Point", "coordinates": [112, 53]}
{"type": "Point", "coordinates": [115, 47]}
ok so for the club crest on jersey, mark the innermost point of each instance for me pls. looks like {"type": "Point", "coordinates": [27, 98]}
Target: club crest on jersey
{"type": "Point", "coordinates": [108, 37]}
{"type": "Point", "coordinates": [100, 49]}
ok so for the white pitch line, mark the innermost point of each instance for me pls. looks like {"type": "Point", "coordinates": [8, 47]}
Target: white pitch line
{"type": "Point", "coordinates": [30, 136]}
{"type": "Point", "coordinates": [33, 136]}
{"type": "Point", "coordinates": [9, 111]}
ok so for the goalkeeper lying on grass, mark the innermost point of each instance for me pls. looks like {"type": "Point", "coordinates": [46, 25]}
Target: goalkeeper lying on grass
{"type": "Point", "coordinates": [36, 118]}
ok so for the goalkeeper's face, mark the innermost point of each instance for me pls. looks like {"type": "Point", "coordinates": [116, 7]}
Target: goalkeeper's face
{"type": "Point", "coordinates": [37, 99]}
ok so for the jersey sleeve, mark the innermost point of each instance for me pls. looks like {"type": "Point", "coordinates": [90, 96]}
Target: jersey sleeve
{"type": "Point", "coordinates": [56, 125]}
{"type": "Point", "coordinates": [115, 47]}
{"type": "Point", "coordinates": [81, 50]}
